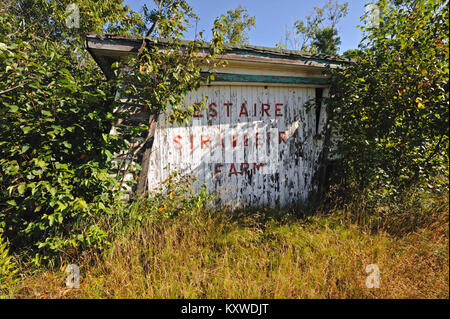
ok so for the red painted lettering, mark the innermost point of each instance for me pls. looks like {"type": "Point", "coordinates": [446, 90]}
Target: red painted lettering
{"type": "Point", "coordinates": [176, 140]}
{"type": "Point", "coordinates": [217, 169]}
{"type": "Point", "coordinates": [232, 171]}
{"type": "Point", "coordinates": [257, 166]}
{"type": "Point", "coordinates": [228, 108]}
{"type": "Point", "coordinates": [234, 141]}
{"type": "Point", "coordinates": [245, 140]}
{"type": "Point", "coordinates": [278, 110]}
{"type": "Point", "coordinates": [281, 137]}
{"type": "Point", "coordinates": [204, 141]}
{"type": "Point", "coordinates": [257, 140]}
{"type": "Point", "coordinates": [244, 168]}
{"type": "Point", "coordinates": [243, 110]}
{"type": "Point", "coordinates": [265, 109]}
{"type": "Point", "coordinates": [212, 110]}
{"type": "Point", "coordinates": [197, 111]}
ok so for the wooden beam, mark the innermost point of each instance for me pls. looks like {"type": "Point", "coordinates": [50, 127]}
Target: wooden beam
{"type": "Point", "coordinates": [269, 79]}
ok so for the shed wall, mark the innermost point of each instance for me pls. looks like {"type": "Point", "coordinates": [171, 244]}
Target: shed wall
{"type": "Point", "coordinates": [252, 145]}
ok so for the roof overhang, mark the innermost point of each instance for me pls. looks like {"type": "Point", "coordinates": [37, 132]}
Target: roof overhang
{"type": "Point", "coordinates": [250, 64]}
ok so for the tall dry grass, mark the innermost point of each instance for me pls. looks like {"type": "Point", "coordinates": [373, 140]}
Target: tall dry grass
{"type": "Point", "coordinates": [268, 254]}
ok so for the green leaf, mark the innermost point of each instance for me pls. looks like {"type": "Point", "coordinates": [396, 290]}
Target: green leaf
{"type": "Point", "coordinates": [21, 188]}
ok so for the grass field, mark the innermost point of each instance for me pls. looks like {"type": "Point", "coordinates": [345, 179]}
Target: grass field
{"type": "Point", "coordinates": [266, 254]}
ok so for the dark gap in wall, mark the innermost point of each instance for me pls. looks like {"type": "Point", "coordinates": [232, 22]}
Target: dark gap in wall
{"type": "Point", "coordinates": [319, 92]}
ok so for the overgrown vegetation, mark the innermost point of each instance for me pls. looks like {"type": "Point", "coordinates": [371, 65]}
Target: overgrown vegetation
{"type": "Point", "coordinates": [237, 22]}
{"type": "Point", "coordinates": [60, 202]}
{"type": "Point", "coordinates": [265, 253]}
{"type": "Point", "coordinates": [54, 132]}
{"type": "Point", "coordinates": [57, 179]}
{"type": "Point", "coordinates": [390, 107]}
{"type": "Point", "coordinates": [8, 270]}
{"type": "Point", "coordinates": [318, 32]}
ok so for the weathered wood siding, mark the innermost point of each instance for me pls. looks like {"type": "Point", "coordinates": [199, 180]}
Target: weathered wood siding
{"type": "Point", "coordinates": [252, 145]}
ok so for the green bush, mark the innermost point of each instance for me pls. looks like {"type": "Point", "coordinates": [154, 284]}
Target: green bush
{"type": "Point", "coordinates": [55, 149]}
{"type": "Point", "coordinates": [174, 197]}
{"type": "Point", "coordinates": [390, 107]}
{"type": "Point", "coordinates": [56, 184]}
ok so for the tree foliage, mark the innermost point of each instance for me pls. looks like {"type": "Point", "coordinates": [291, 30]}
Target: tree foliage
{"type": "Point", "coordinates": [390, 107]}
{"type": "Point", "coordinates": [57, 111]}
{"type": "Point", "coordinates": [167, 68]}
{"type": "Point", "coordinates": [326, 41]}
{"type": "Point", "coordinates": [237, 23]}
{"type": "Point", "coordinates": [351, 54]}
{"type": "Point", "coordinates": [317, 33]}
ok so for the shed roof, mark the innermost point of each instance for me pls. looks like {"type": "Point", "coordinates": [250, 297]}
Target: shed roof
{"type": "Point", "coordinates": [108, 48]}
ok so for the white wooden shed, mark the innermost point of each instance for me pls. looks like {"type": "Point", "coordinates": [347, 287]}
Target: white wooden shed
{"type": "Point", "coordinates": [255, 143]}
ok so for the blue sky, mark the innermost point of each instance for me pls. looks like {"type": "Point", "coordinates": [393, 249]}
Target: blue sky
{"type": "Point", "coordinates": [272, 17]}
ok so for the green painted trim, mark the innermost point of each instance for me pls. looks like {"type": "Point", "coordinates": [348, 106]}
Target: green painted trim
{"type": "Point", "coordinates": [232, 77]}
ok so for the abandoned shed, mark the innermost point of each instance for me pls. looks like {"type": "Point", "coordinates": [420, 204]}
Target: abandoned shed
{"type": "Point", "coordinates": [256, 142]}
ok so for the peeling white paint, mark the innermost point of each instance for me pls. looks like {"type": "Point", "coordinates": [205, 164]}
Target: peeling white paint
{"type": "Point", "coordinates": [244, 171]}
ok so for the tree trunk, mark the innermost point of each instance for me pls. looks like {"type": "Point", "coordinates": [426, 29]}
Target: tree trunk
{"type": "Point", "coordinates": [142, 181]}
